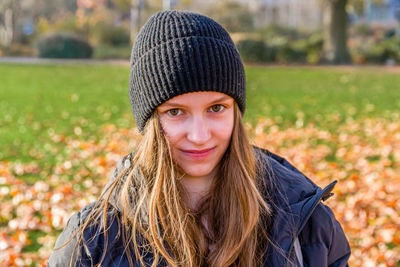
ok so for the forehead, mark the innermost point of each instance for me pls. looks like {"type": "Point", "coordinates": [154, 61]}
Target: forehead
{"type": "Point", "coordinates": [198, 98]}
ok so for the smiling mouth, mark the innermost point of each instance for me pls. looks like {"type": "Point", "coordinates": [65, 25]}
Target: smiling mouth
{"type": "Point", "coordinates": [199, 153]}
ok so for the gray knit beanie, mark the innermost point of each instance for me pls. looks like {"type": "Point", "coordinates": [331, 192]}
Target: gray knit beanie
{"type": "Point", "coordinates": [178, 52]}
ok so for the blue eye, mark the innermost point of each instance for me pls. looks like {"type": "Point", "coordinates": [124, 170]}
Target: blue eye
{"type": "Point", "coordinates": [217, 108]}
{"type": "Point", "coordinates": [174, 112]}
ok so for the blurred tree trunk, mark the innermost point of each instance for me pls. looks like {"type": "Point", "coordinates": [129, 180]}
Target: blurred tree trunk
{"type": "Point", "coordinates": [136, 8]}
{"type": "Point", "coordinates": [167, 4]}
{"type": "Point", "coordinates": [7, 30]}
{"type": "Point", "coordinates": [335, 32]}
{"type": "Point", "coordinates": [9, 9]}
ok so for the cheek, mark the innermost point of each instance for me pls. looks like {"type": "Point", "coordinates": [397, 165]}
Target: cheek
{"type": "Point", "coordinates": [173, 131]}
{"type": "Point", "coordinates": [223, 130]}
{"type": "Point", "coordinates": [224, 133]}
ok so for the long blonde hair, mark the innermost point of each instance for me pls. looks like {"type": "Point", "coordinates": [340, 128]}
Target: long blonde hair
{"type": "Point", "coordinates": [155, 218]}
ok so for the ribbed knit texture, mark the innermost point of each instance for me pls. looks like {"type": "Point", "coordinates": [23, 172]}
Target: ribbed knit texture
{"type": "Point", "coordinates": [178, 52]}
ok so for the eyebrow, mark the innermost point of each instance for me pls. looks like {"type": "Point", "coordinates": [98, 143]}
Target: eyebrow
{"type": "Point", "coordinates": [220, 99]}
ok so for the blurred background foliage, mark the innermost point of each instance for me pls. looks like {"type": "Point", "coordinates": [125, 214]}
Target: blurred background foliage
{"type": "Point", "coordinates": [262, 33]}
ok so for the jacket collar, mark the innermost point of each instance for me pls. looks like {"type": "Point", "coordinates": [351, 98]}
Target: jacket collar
{"type": "Point", "coordinates": [294, 192]}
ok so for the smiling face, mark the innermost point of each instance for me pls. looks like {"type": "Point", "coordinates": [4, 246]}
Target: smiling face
{"type": "Point", "coordinates": [198, 127]}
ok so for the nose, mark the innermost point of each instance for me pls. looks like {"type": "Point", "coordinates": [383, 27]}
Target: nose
{"type": "Point", "coordinates": [198, 131]}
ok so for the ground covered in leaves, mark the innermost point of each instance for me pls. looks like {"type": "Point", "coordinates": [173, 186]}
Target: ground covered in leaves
{"type": "Point", "coordinates": [364, 156]}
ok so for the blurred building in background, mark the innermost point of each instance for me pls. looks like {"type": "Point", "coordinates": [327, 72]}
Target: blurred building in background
{"type": "Point", "coordinates": [307, 14]}
{"type": "Point", "coordinates": [387, 12]}
{"type": "Point", "coordinates": [288, 13]}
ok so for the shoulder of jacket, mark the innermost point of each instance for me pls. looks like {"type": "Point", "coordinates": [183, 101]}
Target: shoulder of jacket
{"type": "Point", "coordinates": [66, 249]}
{"type": "Point", "coordinates": [323, 239]}
{"type": "Point", "coordinates": [67, 240]}
{"type": "Point", "coordinates": [319, 226]}
{"type": "Point", "coordinates": [86, 250]}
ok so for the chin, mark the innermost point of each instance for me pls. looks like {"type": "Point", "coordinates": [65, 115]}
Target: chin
{"type": "Point", "coordinates": [200, 172]}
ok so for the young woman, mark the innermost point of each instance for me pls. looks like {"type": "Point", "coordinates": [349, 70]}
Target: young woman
{"type": "Point", "coordinates": [195, 192]}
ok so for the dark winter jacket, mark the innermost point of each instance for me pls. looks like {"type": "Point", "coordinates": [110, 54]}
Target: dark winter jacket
{"type": "Point", "coordinates": [298, 212]}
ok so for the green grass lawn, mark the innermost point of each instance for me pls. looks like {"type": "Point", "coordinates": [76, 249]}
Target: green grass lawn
{"type": "Point", "coordinates": [37, 100]}
{"type": "Point", "coordinates": [321, 96]}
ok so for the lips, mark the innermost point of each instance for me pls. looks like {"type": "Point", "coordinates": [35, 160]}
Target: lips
{"type": "Point", "coordinates": [198, 154]}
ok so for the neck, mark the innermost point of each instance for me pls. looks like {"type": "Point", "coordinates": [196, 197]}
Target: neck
{"type": "Point", "coordinates": [197, 187]}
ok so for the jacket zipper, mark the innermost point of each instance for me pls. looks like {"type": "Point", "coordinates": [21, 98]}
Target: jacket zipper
{"type": "Point", "coordinates": [325, 194]}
